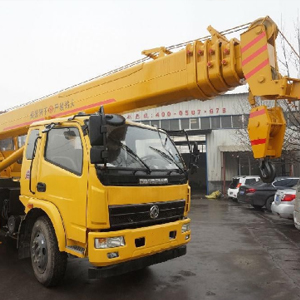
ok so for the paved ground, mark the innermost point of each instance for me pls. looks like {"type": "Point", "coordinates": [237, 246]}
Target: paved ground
{"type": "Point", "coordinates": [235, 253]}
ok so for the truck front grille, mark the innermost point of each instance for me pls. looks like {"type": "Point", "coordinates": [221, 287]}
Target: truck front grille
{"type": "Point", "coordinates": [140, 215]}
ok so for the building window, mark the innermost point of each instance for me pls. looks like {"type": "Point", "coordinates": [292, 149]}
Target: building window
{"type": "Point", "coordinates": [237, 121]}
{"type": "Point", "coordinates": [194, 123]}
{"type": "Point", "coordinates": [174, 124]}
{"type": "Point", "coordinates": [7, 144]}
{"type": "Point", "coordinates": [226, 121]}
{"type": "Point", "coordinates": [215, 122]}
{"type": "Point", "coordinates": [146, 122]}
{"type": "Point", "coordinates": [165, 124]}
{"type": "Point", "coordinates": [205, 123]}
{"type": "Point", "coordinates": [21, 140]}
{"type": "Point", "coordinates": [155, 123]}
{"type": "Point", "coordinates": [246, 121]}
{"type": "Point", "coordinates": [185, 124]}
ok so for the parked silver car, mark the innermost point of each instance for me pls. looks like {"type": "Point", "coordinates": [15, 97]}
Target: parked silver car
{"type": "Point", "coordinates": [283, 204]}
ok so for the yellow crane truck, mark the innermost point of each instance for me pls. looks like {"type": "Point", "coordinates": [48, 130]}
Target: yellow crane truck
{"type": "Point", "coordinates": [77, 180]}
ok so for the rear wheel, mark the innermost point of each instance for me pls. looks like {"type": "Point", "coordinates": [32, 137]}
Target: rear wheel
{"type": "Point", "coordinates": [48, 263]}
{"type": "Point", "coordinates": [269, 203]}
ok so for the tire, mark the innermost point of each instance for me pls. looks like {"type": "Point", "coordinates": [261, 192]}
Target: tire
{"type": "Point", "coordinates": [256, 206]}
{"type": "Point", "coordinates": [48, 263]}
{"type": "Point", "coordinates": [269, 203]}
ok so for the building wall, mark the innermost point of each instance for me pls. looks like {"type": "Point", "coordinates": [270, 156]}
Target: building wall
{"type": "Point", "coordinates": [217, 170]}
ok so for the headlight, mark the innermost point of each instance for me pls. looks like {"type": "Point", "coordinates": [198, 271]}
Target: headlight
{"type": "Point", "coordinates": [185, 228]}
{"type": "Point", "coordinates": [104, 243]}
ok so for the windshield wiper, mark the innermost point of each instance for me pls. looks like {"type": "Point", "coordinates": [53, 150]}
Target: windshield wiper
{"type": "Point", "coordinates": [166, 156]}
{"type": "Point", "coordinates": [132, 153]}
{"type": "Point", "coordinates": [170, 154]}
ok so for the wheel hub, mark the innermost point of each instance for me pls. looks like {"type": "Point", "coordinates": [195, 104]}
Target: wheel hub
{"type": "Point", "coordinates": [39, 252]}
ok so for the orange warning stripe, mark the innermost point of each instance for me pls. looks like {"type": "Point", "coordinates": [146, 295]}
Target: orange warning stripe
{"type": "Point", "coordinates": [253, 42]}
{"type": "Point", "coordinates": [257, 113]}
{"type": "Point", "coordinates": [253, 115]}
{"type": "Point", "coordinates": [255, 54]}
{"type": "Point", "coordinates": [256, 69]}
{"type": "Point", "coordinates": [258, 142]}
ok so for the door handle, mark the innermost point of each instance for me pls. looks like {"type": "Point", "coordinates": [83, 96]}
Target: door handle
{"type": "Point", "coordinates": [41, 187]}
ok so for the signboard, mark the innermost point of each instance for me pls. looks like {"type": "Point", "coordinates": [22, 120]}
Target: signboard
{"type": "Point", "coordinates": [224, 105]}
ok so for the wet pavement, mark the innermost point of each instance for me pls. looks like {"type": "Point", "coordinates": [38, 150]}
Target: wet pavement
{"type": "Point", "coordinates": [236, 252]}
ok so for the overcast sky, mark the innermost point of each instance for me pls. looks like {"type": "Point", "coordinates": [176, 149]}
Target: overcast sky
{"type": "Point", "coordinates": [47, 46]}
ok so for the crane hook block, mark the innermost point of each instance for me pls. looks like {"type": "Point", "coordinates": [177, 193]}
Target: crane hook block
{"type": "Point", "coordinates": [267, 171]}
{"type": "Point", "coordinates": [266, 129]}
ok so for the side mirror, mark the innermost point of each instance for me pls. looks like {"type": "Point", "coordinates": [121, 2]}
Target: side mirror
{"type": "Point", "coordinates": [97, 129]}
{"type": "Point", "coordinates": [97, 135]}
{"type": "Point", "coordinates": [98, 155]}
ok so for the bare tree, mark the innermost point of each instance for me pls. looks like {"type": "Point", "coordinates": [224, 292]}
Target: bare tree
{"type": "Point", "coordinates": [289, 60]}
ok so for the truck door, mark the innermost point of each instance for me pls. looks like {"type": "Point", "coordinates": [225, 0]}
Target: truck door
{"type": "Point", "coordinates": [62, 178]}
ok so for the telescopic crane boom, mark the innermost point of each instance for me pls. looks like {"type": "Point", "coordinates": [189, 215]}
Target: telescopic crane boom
{"type": "Point", "coordinates": [202, 70]}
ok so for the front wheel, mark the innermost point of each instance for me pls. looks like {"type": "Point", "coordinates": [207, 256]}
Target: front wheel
{"type": "Point", "coordinates": [48, 263]}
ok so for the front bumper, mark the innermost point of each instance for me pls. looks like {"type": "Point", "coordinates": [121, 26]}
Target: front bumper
{"type": "Point", "coordinates": [136, 264]}
{"type": "Point", "coordinates": [140, 242]}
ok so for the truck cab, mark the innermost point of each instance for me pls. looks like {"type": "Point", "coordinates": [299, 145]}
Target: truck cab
{"type": "Point", "coordinates": [124, 205]}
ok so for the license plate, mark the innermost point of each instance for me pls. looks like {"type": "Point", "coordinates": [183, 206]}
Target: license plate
{"type": "Point", "coordinates": [242, 192]}
{"type": "Point", "coordinates": [230, 193]}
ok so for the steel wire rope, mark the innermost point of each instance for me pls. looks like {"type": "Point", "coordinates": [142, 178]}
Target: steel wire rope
{"type": "Point", "coordinates": [295, 52]}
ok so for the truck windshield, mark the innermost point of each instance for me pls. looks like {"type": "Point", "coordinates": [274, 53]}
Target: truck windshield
{"type": "Point", "coordinates": [135, 147]}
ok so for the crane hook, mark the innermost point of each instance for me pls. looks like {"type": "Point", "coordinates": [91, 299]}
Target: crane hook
{"type": "Point", "coordinates": [267, 171]}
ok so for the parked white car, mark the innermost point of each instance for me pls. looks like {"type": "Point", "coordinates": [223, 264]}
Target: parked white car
{"type": "Point", "coordinates": [240, 181]}
{"type": "Point", "coordinates": [283, 204]}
